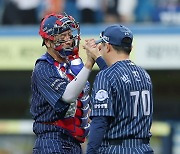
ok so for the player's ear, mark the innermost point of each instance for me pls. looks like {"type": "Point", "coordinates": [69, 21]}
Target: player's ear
{"type": "Point", "coordinates": [48, 43]}
{"type": "Point", "coordinates": [108, 46]}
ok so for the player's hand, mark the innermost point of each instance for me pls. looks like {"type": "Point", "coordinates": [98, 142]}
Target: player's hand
{"type": "Point", "coordinates": [90, 61]}
{"type": "Point", "coordinates": [92, 49]}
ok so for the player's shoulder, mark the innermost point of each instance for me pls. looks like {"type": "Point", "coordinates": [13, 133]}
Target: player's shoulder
{"type": "Point", "coordinates": [46, 58]}
{"type": "Point", "coordinates": [106, 73]}
{"type": "Point", "coordinates": [113, 69]}
{"type": "Point", "coordinates": [43, 65]}
{"type": "Point", "coordinates": [142, 70]}
{"type": "Point", "coordinates": [146, 74]}
{"type": "Point", "coordinates": [128, 65]}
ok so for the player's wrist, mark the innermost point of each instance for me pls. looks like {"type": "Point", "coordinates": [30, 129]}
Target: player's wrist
{"type": "Point", "coordinates": [96, 56]}
{"type": "Point", "coordinates": [89, 64]}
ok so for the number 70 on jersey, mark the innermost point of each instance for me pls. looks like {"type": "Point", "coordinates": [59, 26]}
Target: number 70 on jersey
{"type": "Point", "coordinates": [144, 95]}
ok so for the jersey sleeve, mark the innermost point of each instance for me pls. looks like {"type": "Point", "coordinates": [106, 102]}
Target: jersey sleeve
{"type": "Point", "coordinates": [49, 83]}
{"type": "Point", "coordinates": [101, 96]}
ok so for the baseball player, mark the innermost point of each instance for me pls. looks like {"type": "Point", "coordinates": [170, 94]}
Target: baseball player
{"type": "Point", "coordinates": [122, 102]}
{"type": "Point", "coordinates": [60, 100]}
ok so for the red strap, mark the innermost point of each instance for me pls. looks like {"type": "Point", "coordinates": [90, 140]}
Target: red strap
{"type": "Point", "coordinates": [56, 63]}
{"type": "Point", "coordinates": [71, 77]}
{"type": "Point", "coordinates": [81, 95]}
{"type": "Point", "coordinates": [79, 112]}
{"type": "Point", "coordinates": [66, 124]}
{"type": "Point", "coordinates": [71, 124]}
{"type": "Point", "coordinates": [77, 121]}
{"type": "Point", "coordinates": [79, 104]}
{"type": "Point", "coordinates": [63, 69]}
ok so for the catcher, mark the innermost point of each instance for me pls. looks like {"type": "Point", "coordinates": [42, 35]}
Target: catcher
{"type": "Point", "coordinates": [60, 100]}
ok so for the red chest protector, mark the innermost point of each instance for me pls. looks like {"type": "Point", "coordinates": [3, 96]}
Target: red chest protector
{"type": "Point", "coordinates": [78, 125]}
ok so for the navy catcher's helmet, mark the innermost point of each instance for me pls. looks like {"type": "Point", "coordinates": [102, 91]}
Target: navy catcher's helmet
{"type": "Point", "coordinates": [53, 25]}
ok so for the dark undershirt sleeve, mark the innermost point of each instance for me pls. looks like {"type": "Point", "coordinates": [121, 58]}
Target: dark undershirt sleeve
{"type": "Point", "coordinates": [97, 131]}
{"type": "Point", "coordinates": [101, 63]}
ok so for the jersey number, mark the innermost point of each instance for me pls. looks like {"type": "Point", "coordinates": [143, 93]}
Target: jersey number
{"type": "Point", "coordinates": [145, 96]}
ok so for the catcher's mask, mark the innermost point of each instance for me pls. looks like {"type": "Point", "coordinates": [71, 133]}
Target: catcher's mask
{"type": "Point", "coordinates": [53, 25]}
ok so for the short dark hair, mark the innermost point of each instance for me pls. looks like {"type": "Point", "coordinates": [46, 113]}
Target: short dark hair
{"type": "Point", "coordinates": [124, 45]}
{"type": "Point", "coordinates": [126, 50]}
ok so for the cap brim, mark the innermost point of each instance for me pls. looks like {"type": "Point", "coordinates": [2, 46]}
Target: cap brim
{"type": "Point", "coordinates": [98, 41]}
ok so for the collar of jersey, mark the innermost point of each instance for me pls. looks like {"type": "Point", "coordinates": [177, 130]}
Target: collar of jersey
{"type": "Point", "coordinates": [46, 57]}
{"type": "Point", "coordinates": [49, 58]}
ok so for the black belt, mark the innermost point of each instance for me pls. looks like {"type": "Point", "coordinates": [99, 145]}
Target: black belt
{"type": "Point", "coordinates": [126, 141]}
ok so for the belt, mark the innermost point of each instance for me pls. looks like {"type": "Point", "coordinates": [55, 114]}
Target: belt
{"type": "Point", "coordinates": [128, 141]}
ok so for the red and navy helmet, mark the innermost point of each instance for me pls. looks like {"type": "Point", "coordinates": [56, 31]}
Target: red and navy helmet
{"type": "Point", "coordinates": [54, 24]}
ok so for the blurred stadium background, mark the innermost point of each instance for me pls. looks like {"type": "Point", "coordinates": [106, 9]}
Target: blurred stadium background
{"type": "Point", "coordinates": [156, 28]}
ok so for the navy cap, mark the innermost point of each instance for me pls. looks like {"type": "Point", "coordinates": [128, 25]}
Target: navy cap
{"type": "Point", "coordinates": [115, 34]}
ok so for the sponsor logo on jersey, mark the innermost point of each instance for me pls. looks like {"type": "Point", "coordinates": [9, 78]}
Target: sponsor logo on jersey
{"type": "Point", "coordinates": [100, 106]}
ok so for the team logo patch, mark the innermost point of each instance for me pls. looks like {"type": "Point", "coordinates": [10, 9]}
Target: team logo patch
{"type": "Point", "coordinates": [101, 95]}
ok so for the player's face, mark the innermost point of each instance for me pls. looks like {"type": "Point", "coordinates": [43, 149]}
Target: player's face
{"type": "Point", "coordinates": [64, 37]}
{"type": "Point", "coordinates": [102, 49]}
